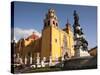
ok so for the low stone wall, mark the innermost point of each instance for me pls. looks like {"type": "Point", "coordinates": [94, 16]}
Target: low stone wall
{"type": "Point", "coordinates": [81, 63]}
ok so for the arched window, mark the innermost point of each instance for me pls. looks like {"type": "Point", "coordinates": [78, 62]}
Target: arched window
{"type": "Point", "coordinates": [56, 40]}
{"type": "Point", "coordinates": [54, 22]}
{"type": "Point", "coordinates": [48, 23]}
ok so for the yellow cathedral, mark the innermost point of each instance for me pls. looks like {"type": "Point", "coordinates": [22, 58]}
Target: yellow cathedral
{"type": "Point", "coordinates": [54, 42]}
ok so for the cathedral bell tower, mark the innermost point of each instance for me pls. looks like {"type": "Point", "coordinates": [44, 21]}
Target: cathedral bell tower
{"type": "Point", "coordinates": [50, 19]}
{"type": "Point", "coordinates": [50, 24]}
{"type": "Point", "coordinates": [51, 37]}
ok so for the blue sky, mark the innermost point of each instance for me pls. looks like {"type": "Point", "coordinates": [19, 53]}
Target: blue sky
{"type": "Point", "coordinates": [31, 15]}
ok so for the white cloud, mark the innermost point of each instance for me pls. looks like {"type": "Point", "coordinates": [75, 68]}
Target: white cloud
{"type": "Point", "coordinates": [24, 33]}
